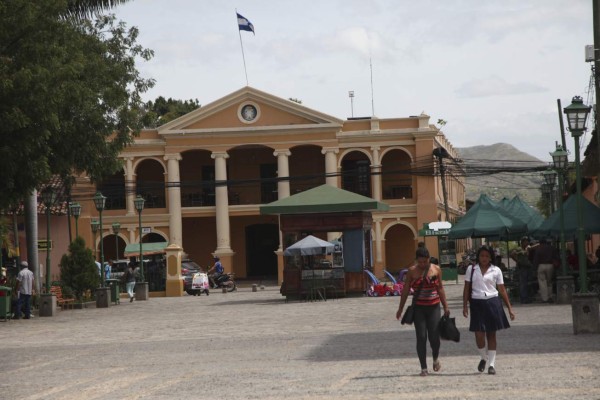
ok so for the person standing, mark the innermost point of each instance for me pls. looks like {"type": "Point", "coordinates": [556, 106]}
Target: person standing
{"type": "Point", "coordinates": [24, 290]}
{"type": "Point", "coordinates": [130, 281]}
{"type": "Point", "coordinates": [426, 278]}
{"type": "Point", "coordinates": [483, 283]}
{"type": "Point", "coordinates": [524, 267]}
{"type": "Point", "coordinates": [543, 260]}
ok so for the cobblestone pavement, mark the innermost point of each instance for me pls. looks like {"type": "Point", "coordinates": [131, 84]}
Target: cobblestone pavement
{"type": "Point", "coordinates": [246, 345]}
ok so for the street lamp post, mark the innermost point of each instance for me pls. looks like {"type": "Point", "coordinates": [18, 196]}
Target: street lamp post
{"type": "Point", "coordinates": [584, 305]}
{"type": "Point", "coordinates": [95, 226]}
{"type": "Point", "coordinates": [141, 291]}
{"type": "Point", "coordinates": [116, 227]}
{"type": "Point", "coordinates": [550, 180]}
{"type": "Point", "coordinates": [76, 212]}
{"type": "Point", "coordinates": [49, 198]}
{"type": "Point", "coordinates": [139, 206]}
{"type": "Point", "coordinates": [100, 202]}
{"type": "Point", "coordinates": [577, 114]}
{"type": "Point", "coordinates": [560, 161]}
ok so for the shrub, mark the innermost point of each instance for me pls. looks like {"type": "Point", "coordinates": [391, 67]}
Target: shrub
{"type": "Point", "coordinates": [78, 269]}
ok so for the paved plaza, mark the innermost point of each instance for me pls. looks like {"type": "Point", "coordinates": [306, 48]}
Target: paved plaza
{"type": "Point", "coordinates": [254, 345]}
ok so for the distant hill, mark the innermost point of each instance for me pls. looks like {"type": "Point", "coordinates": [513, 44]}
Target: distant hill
{"type": "Point", "coordinates": [526, 185]}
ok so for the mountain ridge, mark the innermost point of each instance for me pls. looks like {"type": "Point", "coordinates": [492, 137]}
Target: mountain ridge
{"type": "Point", "coordinates": [524, 184]}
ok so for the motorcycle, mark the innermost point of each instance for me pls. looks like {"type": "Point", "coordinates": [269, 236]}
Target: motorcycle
{"type": "Point", "coordinates": [225, 280]}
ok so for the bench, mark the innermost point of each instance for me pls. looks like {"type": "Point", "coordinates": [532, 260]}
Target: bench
{"type": "Point", "coordinates": [60, 300]}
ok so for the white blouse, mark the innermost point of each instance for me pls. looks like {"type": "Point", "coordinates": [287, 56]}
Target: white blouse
{"type": "Point", "coordinates": [484, 286]}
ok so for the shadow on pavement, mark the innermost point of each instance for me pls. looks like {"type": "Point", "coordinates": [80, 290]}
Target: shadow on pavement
{"type": "Point", "coordinates": [523, 339]}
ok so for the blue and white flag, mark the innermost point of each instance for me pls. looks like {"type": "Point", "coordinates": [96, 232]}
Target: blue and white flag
{"type": "Point", "coordinates": [244, 24]}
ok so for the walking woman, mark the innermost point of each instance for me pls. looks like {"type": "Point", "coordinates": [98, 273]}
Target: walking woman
{"type": "Point", "coordinates": [426, 281]}
{"type": "Point", "coordinates": [483, 283]}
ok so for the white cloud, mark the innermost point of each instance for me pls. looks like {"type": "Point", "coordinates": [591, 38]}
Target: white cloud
{"type": "Point", "coordinates": [496, 86]}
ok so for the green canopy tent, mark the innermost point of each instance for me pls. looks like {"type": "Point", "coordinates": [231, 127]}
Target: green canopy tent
{"type": "Point", "coordinates": [133, 249]}
{"type": "Point", "coordinates": [591, 220]}
{"type": "Point", "coordinates": [329, 209]}
{"type": "Point", "coordinates": [521, 210]}
{"type": "Point", "coordinates": [486, 219]}
{"type": "Point", "coordinates": [323, 199]}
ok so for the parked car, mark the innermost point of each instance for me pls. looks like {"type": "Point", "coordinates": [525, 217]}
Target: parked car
{"type": "Point", "coordinates": [188, 269]}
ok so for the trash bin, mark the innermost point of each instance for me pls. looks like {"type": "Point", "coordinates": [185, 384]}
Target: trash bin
{"type": "Point", "coordinates": [5, 299]}
{"type": "Point", "coordinates": [115, 290]}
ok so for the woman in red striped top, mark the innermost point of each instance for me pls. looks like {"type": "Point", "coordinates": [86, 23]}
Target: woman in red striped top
{"type": "Point", "coordinates": [427, 277]}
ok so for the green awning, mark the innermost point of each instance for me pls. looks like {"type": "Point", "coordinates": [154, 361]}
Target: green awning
{"type": "Point", "coordinates": [323, 199]}
{"type": "Point", "coordinates": [133, 249]}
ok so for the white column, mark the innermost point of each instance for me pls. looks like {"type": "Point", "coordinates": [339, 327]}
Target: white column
{"type": "Point", "coordinates": [378, 241]}
{"type": "Point", "coordinates": [129, 185]}
{"type": "Point", "coordinates": [131, 232]}
{"type": "Point", "coordinates": [174, 193]}
{"type": "Point", "coordinates": [331, 165]}
{"type": "Point", "coordinates": [376, 173]}
{"type": "Point", "coordinates": [222, 202]}
{"type": "Point", "coordinates": [283, 171]}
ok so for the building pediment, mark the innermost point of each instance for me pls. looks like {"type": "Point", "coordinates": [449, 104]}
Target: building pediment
{"type": "Point", "coordinates": [250, 110]}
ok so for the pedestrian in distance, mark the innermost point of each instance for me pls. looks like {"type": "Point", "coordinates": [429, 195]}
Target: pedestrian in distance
{"type": "Point", "coordinates": [543, 260]}
{"type": "Point", "coordinates": [24, 290]}
{"type": "Point", "coordinates": [425, 279]}
{"type": "Point", "coordinates": [484, 284]}
{"type": "Point", "coordinates": [130, 281]}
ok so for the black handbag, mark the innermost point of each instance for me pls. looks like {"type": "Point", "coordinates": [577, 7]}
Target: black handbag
{"type": "Point", "coordinates": [448, 330]}
{"type": "Point", "coordinates": [409, 315]}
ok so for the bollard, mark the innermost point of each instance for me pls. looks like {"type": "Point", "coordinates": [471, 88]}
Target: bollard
{"type": "Point", "coordinates": [224, 290]}
{"type": "Point", "coordinates": [254, 287]}
{"type": "Point", "coordinates": [585, 313]}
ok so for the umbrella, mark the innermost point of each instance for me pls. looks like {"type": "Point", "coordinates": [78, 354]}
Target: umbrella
{"type": "Point", "coordinates": [518, 208]}
{"type": "Point", "coordinates": [591, 220]}
{"type": "Point", "coordinates": [309, 246]}
{"type": "Point", "coordinates": [487, 219]}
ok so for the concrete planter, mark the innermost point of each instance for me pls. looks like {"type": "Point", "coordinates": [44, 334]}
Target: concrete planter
{"type": "Point", "coordinates": [141, 291]}
{"type": "Point", "coordinates": [103, 297]}
{"type": "Point", "coordinates": [47, 305]}
{"type": "Point", "coordinates": [586, 318]}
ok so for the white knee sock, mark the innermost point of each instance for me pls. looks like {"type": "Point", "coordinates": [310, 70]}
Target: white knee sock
{"type": "Point", "coordinates": [483, 353]}
{"type": "Point", "coordinates": [492, 355]}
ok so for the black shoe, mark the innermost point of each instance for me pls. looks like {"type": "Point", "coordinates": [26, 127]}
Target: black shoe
{"type": "Point", "coordinates": [25, 317]}
{"type": "Point", "coordinates": [481, 366]}
{"type": "Point", "coordinates": [491, 370]}
{"type": "Point", "coordinates": [131, 299]}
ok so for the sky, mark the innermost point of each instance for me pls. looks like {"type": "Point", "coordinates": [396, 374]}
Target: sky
{"type": "Point", "coordinates": [493, 70]}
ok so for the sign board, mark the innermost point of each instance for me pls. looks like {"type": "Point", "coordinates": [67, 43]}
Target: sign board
{"type": "Point", "coordinates": [44, 244]}
{"type": "Point", "coordinates": [146, 230]}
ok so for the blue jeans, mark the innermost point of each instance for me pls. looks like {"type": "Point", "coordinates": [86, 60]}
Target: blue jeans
{"type": "Point", "coordinates": [23, 299]}
{"type": "Point", "coordinates": [130, 286]}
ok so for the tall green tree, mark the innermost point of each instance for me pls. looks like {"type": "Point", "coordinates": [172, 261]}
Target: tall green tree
{"type": "Point", "coordinates": [70, 94]}
{"type": "Point", "coordinates": [161, 110]}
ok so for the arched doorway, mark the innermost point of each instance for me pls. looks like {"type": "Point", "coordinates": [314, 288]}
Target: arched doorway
{"type": "Point", "coordinates": [399, 248]}
{"type": "Point", "coordinates": [396, 177]}
{"type": "Point", "coordinates": [262, 240]}
{"type": "Point", "coordinates": [113, 187]}
{"type": "Point", "coordinates": [112, 243]}
{"type": "Point", "coordinates": [153, 237]}
{"type": "Point", "coordinates": [356, 173]}
{"type": "Point", "coordinates": [150, 183]}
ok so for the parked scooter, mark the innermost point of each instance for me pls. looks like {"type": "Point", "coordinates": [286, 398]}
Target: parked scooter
{"type": "Point", "coordinates": [225, 280]}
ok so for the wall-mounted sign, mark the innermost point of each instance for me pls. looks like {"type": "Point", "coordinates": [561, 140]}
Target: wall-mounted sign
{"type": "Point", "coordinates": [44, 244]}
{"type": "Point", "coordinates": [146, 230]}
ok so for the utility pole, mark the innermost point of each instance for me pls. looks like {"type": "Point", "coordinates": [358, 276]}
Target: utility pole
{"type": "Point", "coordinates": [596, 16]}
{"type": "Point", "coordinates": [442, 153]}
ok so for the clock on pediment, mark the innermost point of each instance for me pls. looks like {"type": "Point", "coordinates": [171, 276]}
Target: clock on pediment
{"type": "Point", "coordinates": [248, 113]}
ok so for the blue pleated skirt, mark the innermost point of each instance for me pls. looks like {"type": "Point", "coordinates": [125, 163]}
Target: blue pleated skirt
{"type": "Point", "coordinates": [487, 315]}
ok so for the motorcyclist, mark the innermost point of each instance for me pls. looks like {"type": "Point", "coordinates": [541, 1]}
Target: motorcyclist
{"type": "Point", "coordinates": [215, 272]}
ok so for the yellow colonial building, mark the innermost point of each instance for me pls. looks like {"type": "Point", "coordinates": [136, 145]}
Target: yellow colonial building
{"type": "Point", "coordinates": [205, 175]}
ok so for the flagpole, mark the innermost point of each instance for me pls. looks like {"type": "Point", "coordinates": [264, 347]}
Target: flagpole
{"type": "Point", "coordinates": [242, 46]}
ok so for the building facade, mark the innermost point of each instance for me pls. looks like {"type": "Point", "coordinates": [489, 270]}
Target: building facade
{"type": "Point", "coordinates": [205, 175]}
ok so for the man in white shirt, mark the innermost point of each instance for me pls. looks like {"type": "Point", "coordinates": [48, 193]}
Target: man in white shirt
{"type": "Point", "coordinates": [24, 290]}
